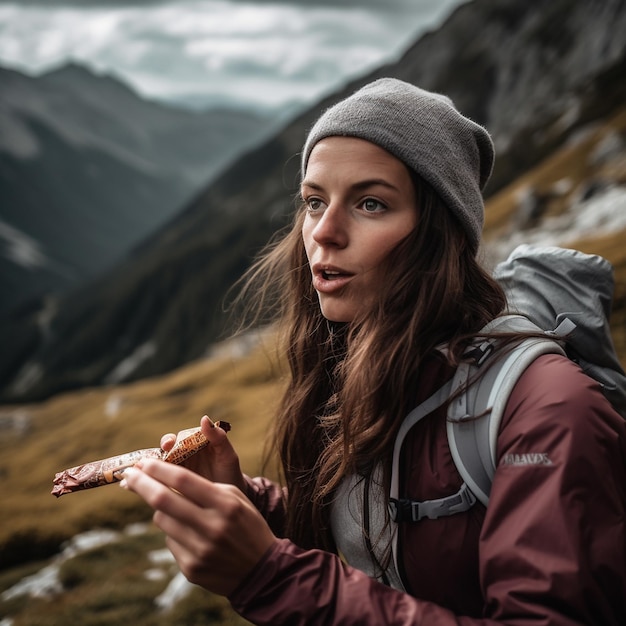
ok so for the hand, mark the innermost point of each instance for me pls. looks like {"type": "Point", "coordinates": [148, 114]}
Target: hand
{"type": "Point", "coordinates": [214, 532]}
{"type": "Point", "coordinates": [218, 461]}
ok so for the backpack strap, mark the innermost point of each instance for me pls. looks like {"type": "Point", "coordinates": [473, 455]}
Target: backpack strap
{"type": "Point", "coordinates": [399, 509]}
{"type": "Point", "coordinates": [474, 416]}
{"type": "Point", "coordinates": [404, 510]}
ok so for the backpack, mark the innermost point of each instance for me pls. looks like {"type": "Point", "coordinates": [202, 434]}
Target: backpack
{"type": "Point", "coordinates": [563, 294]}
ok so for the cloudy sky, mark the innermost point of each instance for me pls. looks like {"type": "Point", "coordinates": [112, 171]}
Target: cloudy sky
{"type": "Point", "coordinates": [252, 53]}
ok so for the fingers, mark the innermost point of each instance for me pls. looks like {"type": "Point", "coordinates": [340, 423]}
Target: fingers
{"type": "Point", "coordinates": [164, 485]}
{"type": "Point", "coordinates": [213, 433]}
{"type": "Point", "coordinates": [156, 494]}
{"type": "Point", "coordinates": [168, 441]}
{"type": "Point", "coordinates": [218, 461]}
{"type": "Point", "coordinates": [213, 530]}
{"type": "Point", "coordinates": [177, 516]}
{"type": "Point", "coordinates": [220, 444]}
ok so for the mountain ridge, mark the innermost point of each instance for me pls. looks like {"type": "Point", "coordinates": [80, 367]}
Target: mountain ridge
{"type": "Point", "coordinates": [84, 154]}
{"type": "Point", "coordinates": [169, 294]}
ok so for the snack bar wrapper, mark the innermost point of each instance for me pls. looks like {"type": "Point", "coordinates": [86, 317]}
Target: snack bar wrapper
{"type": "Point", "coordinates": [111, 470]}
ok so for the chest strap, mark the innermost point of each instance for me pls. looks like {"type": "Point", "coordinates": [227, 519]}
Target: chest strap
{"type": "Point", "coordinates": [404, 510]}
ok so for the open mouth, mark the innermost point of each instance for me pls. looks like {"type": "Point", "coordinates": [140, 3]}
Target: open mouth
{"type": "Point", "coordinates": [331, 275]}
{"type": "Point", "coordinates": [330, 280]}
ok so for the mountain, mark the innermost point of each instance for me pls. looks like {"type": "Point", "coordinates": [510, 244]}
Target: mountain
{"type": "Point", "coordinates": [88, 169]}
{"type": "Point", "coordinates": [537, 75]}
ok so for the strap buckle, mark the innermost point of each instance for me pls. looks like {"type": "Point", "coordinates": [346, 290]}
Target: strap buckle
{"type": "Point", "coordinates": [405, 510]}
{"type": "Point", "coordinates": [480, 353]}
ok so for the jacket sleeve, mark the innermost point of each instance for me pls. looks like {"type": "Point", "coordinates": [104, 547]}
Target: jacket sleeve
{"type": "Point", "coordinates": [295, 587]}
{"type": "Point", "coordinates": [269, 498]}
{"type": "Point", "coordinates": [552, 546]}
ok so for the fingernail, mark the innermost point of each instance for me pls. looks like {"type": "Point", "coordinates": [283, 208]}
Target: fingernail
{"type": "Point", "coordinates": [124, 474]}
{"type": "Point", "coordinates": [127, 472]}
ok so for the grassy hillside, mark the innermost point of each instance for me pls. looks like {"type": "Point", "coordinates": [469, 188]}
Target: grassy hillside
{"type": "Point", "coordinates": [96, 423]}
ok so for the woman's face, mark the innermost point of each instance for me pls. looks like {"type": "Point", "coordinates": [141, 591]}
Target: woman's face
{"type": "Point", "coordinates": [360, 203]}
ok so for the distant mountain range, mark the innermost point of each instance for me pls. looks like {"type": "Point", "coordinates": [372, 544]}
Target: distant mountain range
{"type": "Point", "coordinates": [88, 169]}
{"type": "Point", "coordinates": [535, 74]}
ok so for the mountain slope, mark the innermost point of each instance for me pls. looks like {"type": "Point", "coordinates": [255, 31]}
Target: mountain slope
{"type": "Point", "coordinates": [533, 85]}
{"type": "Point", "coordinates": [88, 169]}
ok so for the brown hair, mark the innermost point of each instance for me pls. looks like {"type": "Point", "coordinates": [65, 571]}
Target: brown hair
{"type": "Point", "coordinates": [351, 385]}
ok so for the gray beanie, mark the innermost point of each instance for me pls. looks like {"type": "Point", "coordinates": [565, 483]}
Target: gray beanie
{"type": "Point", "coordinates": [424, 130]}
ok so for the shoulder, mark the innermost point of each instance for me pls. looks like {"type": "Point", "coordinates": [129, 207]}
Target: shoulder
{"type": "Point", "coordinates": [554, 527]}
{"type": "Point", "coordinates": [555, 378]}
{"type": "Point", "coordinates": [555, 402]}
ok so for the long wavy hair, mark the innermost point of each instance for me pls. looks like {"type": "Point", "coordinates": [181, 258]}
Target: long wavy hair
{"type": "Point", "coordinates": [351, 385]}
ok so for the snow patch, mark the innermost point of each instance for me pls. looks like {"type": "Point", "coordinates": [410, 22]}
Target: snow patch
{"type": "Point", "coordinates": [20, 248]}
{"type": "Point", "coordinates": [239, 346]}
{"type": "Point", "coordinates": [113, 405]}
{"type": "Point", "coordinates": [128, 365]}
{"type": "Point", "coordinates": [45, 583]}
{"type": "Point", "coordinates": [154, 574]}
{"type": "Point", "coordinates": [604, 213]}
{"type": "Point", "coordinates": [611, 147]}
{"type": "Point", "coordinates": [46, 315]}
{"type": "Point", "coordinates": [178, 588]}
{"type": "Point", "coordinates": [15, 423]}
{"type": "Point", "coordinates": [27, 377]}
{"type": "Point", "coordinates": [161, 557]}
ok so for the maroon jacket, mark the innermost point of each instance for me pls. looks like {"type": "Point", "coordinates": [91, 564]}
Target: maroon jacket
{"type": "Point", "coordinates": [549, 550]}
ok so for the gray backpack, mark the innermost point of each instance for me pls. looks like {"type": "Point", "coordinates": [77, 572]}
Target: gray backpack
{"type": "Point", "coordinates": [562, 293]}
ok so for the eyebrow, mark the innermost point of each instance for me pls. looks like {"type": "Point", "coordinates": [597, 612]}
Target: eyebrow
{"type": "Point", "coordinates": [363, 184]}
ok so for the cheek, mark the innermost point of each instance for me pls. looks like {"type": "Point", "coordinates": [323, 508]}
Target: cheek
{"type": "Point", "coordinates": [306, 239]}
{"type": "Point", "coordinates": [381, 248]}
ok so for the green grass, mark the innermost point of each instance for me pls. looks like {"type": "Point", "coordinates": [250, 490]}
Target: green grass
{"type": "Point", "coordinates": [106, 586]}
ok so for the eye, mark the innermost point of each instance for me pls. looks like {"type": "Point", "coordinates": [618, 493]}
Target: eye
{"type": "Point", "coordinates": [371, 205]}
{"type": "Point", "coordinates": [313, 204]}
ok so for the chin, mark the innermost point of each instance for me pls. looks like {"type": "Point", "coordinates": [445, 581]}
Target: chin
{"type": "Point", "coordinates": [337, 320]}
{"type": "Point", "coordinates": [339, 317]}
{"type": "Point", "coordinates": [336, 310]}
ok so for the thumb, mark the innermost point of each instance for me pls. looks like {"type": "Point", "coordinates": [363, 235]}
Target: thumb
{"type": "Point", "coordinates": [227, 469]}
{"type": "Point", "coordinates": [215, 432]}
{"type": "Point", "coordinates": [168, 441]}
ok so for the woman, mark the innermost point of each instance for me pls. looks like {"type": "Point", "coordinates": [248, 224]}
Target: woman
{"type": "Point", "coordinates": [378, 273]}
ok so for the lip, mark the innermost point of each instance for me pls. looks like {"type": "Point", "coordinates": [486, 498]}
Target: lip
{"type": "Point", "coordinates": [329, 279]}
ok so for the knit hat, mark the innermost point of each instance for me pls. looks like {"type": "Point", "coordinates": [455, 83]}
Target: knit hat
{"type": "Point", "coordinates": [426, 132]}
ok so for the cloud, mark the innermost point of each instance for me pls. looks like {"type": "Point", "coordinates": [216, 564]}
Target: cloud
{"type": "Point", "coordinates": [389, 5]}
{"type": "Point", "coordinates": [52, 4]}
{"type": "Point", "coordinates": [258, 54]}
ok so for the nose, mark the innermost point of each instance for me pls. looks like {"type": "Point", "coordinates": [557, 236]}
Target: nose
{"type": "Point", "coordinates": [331, 228]}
